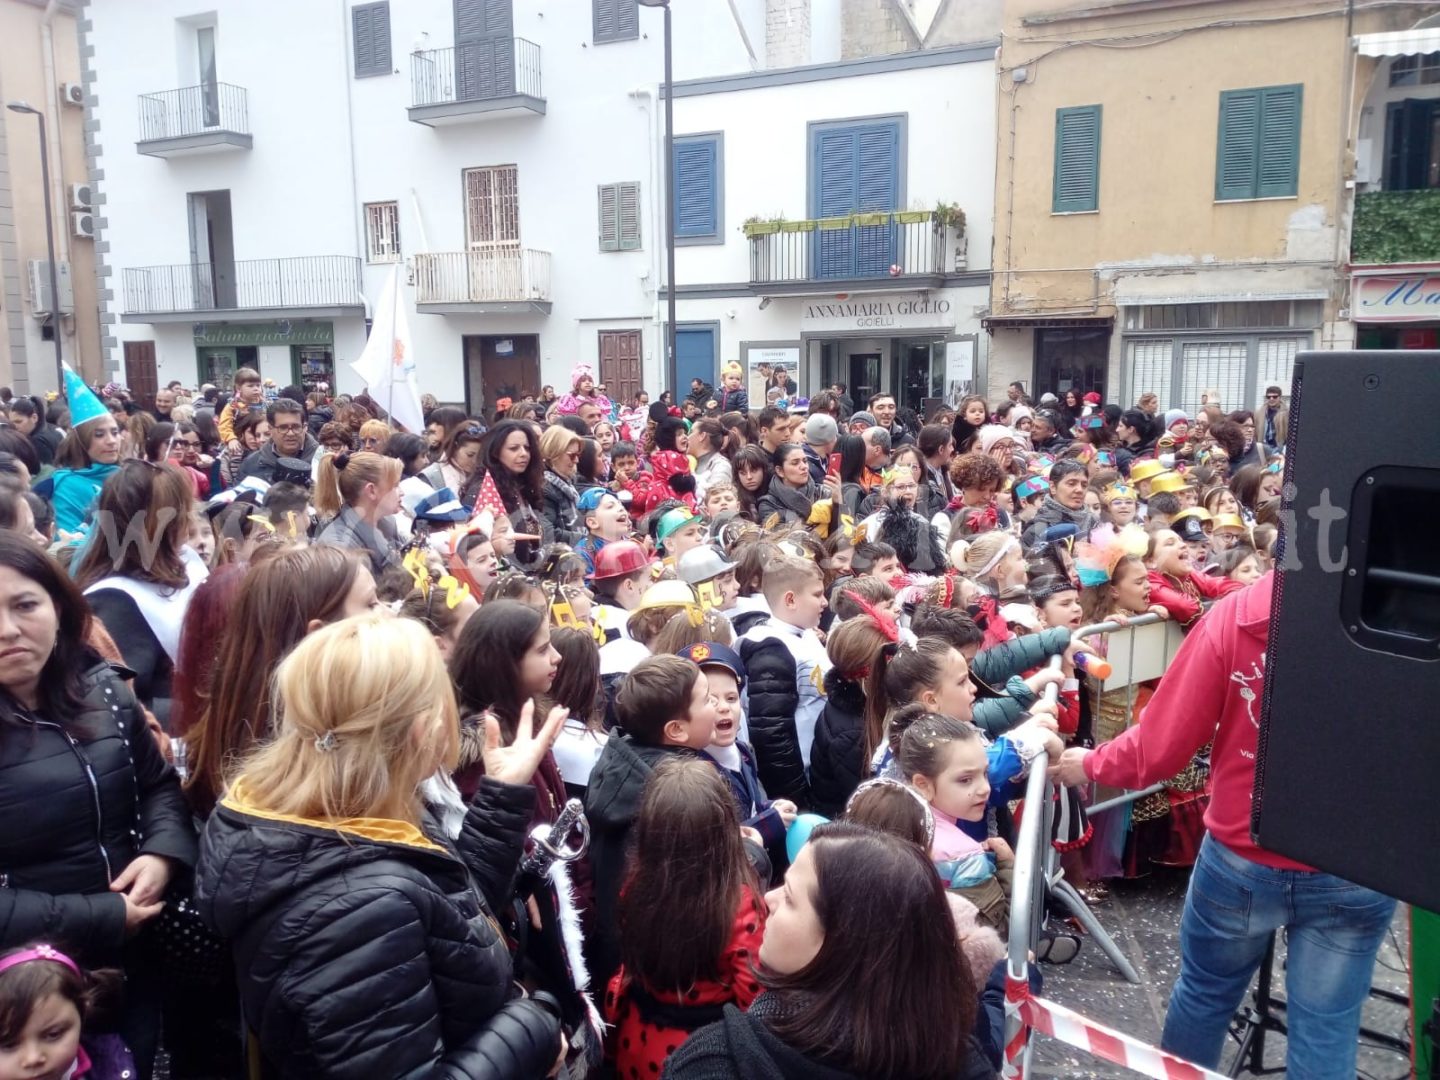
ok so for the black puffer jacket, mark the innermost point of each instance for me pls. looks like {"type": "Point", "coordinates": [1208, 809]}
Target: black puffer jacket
{"type": "Point", "coordinates": [835, 766]}
{"type": "Point", "coordinates": [373, 954]}
{"type": "Point", "coordinates": [774, 698]}
{"type": "Point", "coordinates": [100, 776]}
{"type": "Point", "coordinates": [561, 511]}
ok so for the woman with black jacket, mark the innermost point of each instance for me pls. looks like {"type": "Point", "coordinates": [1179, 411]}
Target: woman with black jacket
{"type": "Point", "coordinates": [96, 823]}
{"type": "Point", "coordinates": [560, 447]}
{"type": "Point", "coordinates": [837, 755]}
{"type": "Point", "coordinates": [364, 938]}
{"type": "Point", "coordinates": [1136, 432]}
{"type": "Point", "coordinates": [831, 1010]}
{"type": "Point", "coordinates": [791, 493]}
{"type": "Point", "coordinates": [27, 414]}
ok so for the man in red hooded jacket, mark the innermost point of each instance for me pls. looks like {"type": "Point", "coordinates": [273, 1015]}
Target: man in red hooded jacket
{"type": "Point", "coordinates": [1240, 893]}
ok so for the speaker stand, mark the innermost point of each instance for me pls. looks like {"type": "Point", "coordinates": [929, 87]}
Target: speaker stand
{"type": "Point", "coordinates": [1265, 1014]}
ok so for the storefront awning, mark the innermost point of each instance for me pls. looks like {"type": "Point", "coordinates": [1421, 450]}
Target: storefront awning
{"type": "Point", "coordinates": [1053, 319]}
{"type": "Point", "coordinates": [1399, 42]}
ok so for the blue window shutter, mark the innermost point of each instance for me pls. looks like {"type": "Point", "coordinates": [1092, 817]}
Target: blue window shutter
{"type": "Point", "coordinates": [697, 187]}
{"type": "Point", "coordinates": [1237, 158]}
{"type": "Point", "coordinates": [1077, 160]}
{"type": "Point", "coordinates": [855, 170]}
{"type": "Point", "coordinates": [1279, 173]}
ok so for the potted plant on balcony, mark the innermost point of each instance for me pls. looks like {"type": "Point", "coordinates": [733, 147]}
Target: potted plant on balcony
{"type": "Point", "coordinates": [949, 223]}
{"type": "Point", "coordinates": [755, 225]}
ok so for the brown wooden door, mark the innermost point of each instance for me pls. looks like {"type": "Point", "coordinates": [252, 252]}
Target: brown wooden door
{"type": "Point", "coordinates": [620, 364]}
{"type": "Point", "coordinates": [140, 374]}
{"type": "Point", "coordinates": [507, 366]}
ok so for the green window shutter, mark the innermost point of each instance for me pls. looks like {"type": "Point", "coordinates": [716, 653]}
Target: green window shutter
{"type": "Point", "coordinates": [609, 217]}
{"type": "Point", "coordinates": [1237, 159]}
{"type": "Point", "coordinates": [1279, 142]}
{"type": "Point", "coordinates": [1258, 156]}
{"type": "Point", "coordinates": [1077, 160]}
{"type": "Point", "coordinates": [629, 216]}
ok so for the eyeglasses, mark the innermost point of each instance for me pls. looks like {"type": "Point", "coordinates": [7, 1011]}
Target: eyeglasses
{"type": "Point", "coordinates": [1272, 397]}
{"type": "Point", "coordinates": [289, 429]}
{"type": "Point", "coordinates": [573, 455]}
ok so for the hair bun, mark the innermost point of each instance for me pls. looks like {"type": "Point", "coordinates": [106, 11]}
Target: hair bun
{"type": "Point", "coordinates": [342, 459]}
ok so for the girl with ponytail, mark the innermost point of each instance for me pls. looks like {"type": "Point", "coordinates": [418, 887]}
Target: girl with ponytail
{"type": "Point", "coordinates": [360, 492]}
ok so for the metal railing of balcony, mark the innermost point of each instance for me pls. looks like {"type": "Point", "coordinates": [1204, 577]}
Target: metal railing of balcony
{"type": "Point", "coordinates": [475, 71]}
{"type": "Point", "coordinates": [307, 281]}
{"type": "Point", "coordinates": [194, 110]}
{"type": "Point", "coordinates": [888, 244]}
{"type": "Point", "coordinates": [503, 275]}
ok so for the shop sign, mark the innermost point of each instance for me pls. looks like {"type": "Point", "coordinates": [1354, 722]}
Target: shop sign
{"type": "Point", "coordinates": [1395, 298]}
{"type": "Point", "coordinates": [279, 332]}
{"type": "Point", "coordinates": [906, 311]}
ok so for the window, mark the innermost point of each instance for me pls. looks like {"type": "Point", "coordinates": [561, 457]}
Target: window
{"type": "Point", "coordinates": [615, 20]}
{"type": "Point", "coordinates": [1412, 144]}
{"type": "Point", "coordinates": [1077, 160]}
{"type": "Point", "coordinates": [1415, 70]}
{"type": "Point", "coordinates": [382, 232]}
{"type": "Point", "coordinates": [699, 189]}
{"type": "Point", "coordinates": [1259, 143]}
{"type": "Point", "coordinates": [620, 217]}
{"type": "Point", "coordinates": [1233, 369]}
{"type": "Point", "coordinates": [492, 207]}
{"type": "Point", "coordinates": [370, 29]}
{"type": "Point", "coordinates": [1150, 360]}
{"type": "Point", "coordinates": [855, 169]}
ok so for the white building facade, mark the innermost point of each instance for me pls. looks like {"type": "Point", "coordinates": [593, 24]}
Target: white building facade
{"type": "Point", "coordinates": [264, 166]}
{"type": "Point", "coordinates": [834, 220]}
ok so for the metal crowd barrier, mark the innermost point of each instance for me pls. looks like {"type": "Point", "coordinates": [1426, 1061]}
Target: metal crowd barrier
{"type": "Point", "coordinates": [1038, 875]}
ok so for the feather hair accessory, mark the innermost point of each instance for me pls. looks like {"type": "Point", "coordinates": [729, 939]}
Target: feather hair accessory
{"type": "Point", "coordinates": [1096, 558]}
{"type": "Point", "coordinates": [883, 619]}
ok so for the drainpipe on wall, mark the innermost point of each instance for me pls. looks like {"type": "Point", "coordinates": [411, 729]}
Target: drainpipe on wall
{"type": "Point", "coordinates": [57, 173]}
{"type": "Point", "coordinates": [355, 210]}
{"type": "Point", "coordinates": [646, 97]}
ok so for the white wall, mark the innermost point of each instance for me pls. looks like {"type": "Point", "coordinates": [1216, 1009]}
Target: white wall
{"type": "Point", "coordinates": [950, 151]}
{"type": "Point", "coordinates": [707, 40]}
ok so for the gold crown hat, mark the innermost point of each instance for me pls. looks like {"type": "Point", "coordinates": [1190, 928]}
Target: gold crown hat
{"type": "Point", "coordinates": [1231, 521]}
{"type": "Point", "coordinates": [1146, 470]}
{"type": "Point", "coordinates": [1199, 513]}
{"type": "Point", "coordinates": [1170, 482]}
{"type": "Point", "coordinates": [1117, 490]}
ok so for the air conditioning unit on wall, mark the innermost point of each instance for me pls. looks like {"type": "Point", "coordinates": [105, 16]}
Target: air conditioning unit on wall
{"type": "Point", "coordinates": [82, 224]}
{"type": "Point", "coordinates": [40, 305]}
{"type": "Point", "coordinates": [72, 94]}
{"type": "Point", "coordinates": [82, 197]}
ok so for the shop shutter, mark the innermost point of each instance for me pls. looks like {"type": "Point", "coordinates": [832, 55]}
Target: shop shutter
{"type": "Point", "coordinates": [1077, 160]}
{"type": "Point", "coordinates": [1150, 364]}
{"type": "Point", "coordinates": [1276, 366]}
{"type": "Point", "coordinates": [697, 187]}
{"type": "Point", "coordinates": [1216, 368]}
{"type": "Point", "coordinates": [1258, 154]}
{"type": "Point", "coordinates": [370, 35]}
{"type": "Point", "coordinates": [615, 20]}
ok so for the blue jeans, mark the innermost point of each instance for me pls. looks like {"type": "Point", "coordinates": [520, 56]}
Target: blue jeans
{"type": "Point", "coordinates": [1231, 908]}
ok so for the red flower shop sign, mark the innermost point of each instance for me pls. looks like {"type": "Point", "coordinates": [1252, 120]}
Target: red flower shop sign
{"type": "Point", "coordinates": [1413, 297]}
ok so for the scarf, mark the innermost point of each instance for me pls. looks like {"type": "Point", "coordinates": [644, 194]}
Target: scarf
{"type": "Point", "coordinates": [797, 500]}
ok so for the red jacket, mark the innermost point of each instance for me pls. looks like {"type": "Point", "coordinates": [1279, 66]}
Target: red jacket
{"type": "Point", "coordinates": [1181, 596]}
{"type": "Point", "coordinates": [1212, 690]}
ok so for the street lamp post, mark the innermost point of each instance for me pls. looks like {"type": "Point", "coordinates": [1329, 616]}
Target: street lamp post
{"type": "Point", "coordinates": [669, 194]}
{"type": "Point", "coordinates": [23, 107]}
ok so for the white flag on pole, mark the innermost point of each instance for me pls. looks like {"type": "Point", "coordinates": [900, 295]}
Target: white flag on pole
{"type": "Point", "coordinates": [387, 363]}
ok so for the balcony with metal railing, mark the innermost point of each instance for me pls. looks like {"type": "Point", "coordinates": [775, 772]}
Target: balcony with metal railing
{"type": "Point", "coordinates": [488, 79]}
{"type": "Point", "coordinates": [503, 280]}
{"type": "Point", "coordinates": [901, 249]}
{"type": "Point", "coordinates": [206, 119]}
{"type": "Point", "coordinates": [312, 286]}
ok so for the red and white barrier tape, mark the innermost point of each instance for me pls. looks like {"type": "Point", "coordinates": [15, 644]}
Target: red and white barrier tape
{"type": "Point", "coordinates": [1071, 1028]}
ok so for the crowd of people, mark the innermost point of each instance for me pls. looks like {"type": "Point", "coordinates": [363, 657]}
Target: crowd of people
{"type": "Point", "coordinates": [583, 737]}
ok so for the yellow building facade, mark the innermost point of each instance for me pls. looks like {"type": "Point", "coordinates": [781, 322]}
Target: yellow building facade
{"type": "Point", "coordinates": [1174, 190]}
{"type": "Point", "coordinates": [40, 65]}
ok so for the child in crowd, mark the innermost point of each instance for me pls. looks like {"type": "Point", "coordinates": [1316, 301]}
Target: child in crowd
{"type": "Point", "coordinates": [721, 498]}
{"type": "Point", "coordinates": [876, 559]}
{"type": "Point", "coordinates": [249, 394]}
{"type": "Point", "coordinates": [1240, 563]}
{"type": "Point", "coordinates": [787, 664]}
{"type": "Point", "coordinates": [606, 520]}
{"type": "Point", "coordinates": [691, 919]}
{"type": "Point", "coordinates": [726, 672]}
{"type": "Point", "coordinates": [944, 760]}
{"type": "Point", "coordinates": [712, 577]}
{"type": "Point", "coordinates": [664, 710]}
{"type": "Point", "coordinates": [1175, 584]}
{"type": "Point", "coordinates": [582, 383]}
{"type": "Point", "coordinates": [679, 530]}
{"type": "Point", "coordinates": [45, 1001]}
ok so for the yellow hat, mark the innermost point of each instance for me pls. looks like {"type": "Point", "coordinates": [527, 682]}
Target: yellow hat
{"type": "Point", "coordinates": [1231, 521]}
{"type": "Point", "coordinates": [666, 594]}
{"type": "Point", "coordinates": [1199, 513]}
{"type": "Point", "coordinates": [1145, 470]}
{"type": "Point", "coordinates": [1117, 490]}
{"type": "Point", "coordinates": [1169, 481]}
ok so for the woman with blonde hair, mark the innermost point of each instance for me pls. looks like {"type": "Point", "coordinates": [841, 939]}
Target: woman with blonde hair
{"type": "Point", "coordinates": [373, 435]}
{"type": "Point", "coordinates": [560, 449]}
{"type": "Point", "coordinates": [360, 491]}
{"type": "Point", "coordinates": [377, 952]}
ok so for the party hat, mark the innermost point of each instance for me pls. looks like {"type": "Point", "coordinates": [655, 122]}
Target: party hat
{"type": "Point", "coordinates": [84, 405]}
{"type": "Point", "coordinates": [489, 497]}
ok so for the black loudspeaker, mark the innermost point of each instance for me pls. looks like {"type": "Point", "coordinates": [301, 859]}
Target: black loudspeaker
{"type": "Point", "coordinates": [1348, 770]}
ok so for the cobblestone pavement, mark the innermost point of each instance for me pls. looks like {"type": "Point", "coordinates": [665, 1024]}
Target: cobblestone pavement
{"type": "Point", "coordinates": [1144, 919]}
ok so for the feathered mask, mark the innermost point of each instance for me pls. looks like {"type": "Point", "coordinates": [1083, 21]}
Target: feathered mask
{"type": "Point", "coordinates": [1096, 558]}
